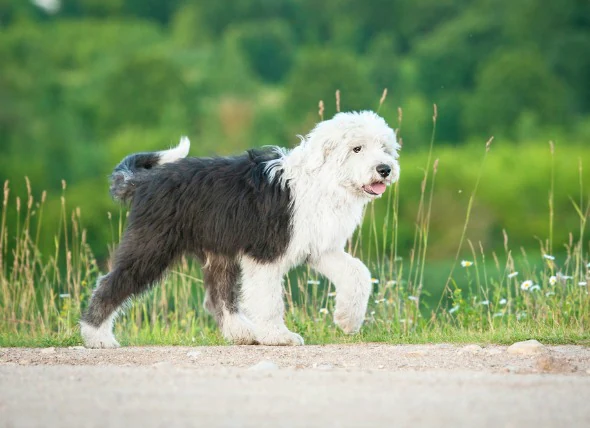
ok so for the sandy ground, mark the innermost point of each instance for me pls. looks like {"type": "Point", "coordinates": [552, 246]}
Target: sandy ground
{"type": "Point", "coordinates": [336, 385]}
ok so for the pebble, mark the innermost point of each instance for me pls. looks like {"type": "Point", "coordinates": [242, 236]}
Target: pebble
{"type": "Point", "coordinates": [264, 365]}
{"type": "Point", "coordinates": [77, 348]}
{"type": "Point", "coordinates": [472, 349]}
{"type": "Point", "coordinates": [50, 350]}
{"type": "Point", "coordinates": [193, 354]}
{"type": "Point", "coordinates": [323, 366]}
{"type": "Point", "coordinates": [528, 347]}
{"type": "Point", "coordinates": [549, 364]}
{"type": "Point", "coordinates": [162, 365]}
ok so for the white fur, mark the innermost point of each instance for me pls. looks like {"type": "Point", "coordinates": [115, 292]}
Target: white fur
{"type": "Point", "coordinates": [99, 337]}
{"type": "Point", "coordinates": [262, 302]}
{"type": "Point", "coordinates": [326, 180]}
{"type": "Point", "coordinates": [178, 152]}
{"type": "Point", "coordinates": [237, 328]}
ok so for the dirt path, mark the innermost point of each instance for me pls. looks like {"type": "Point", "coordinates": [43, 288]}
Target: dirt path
{"type": "Point", "coordinates": [338, 385]}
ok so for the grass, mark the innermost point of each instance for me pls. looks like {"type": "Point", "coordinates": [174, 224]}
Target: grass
{"type": "Point", "coordinates": [483, 300]}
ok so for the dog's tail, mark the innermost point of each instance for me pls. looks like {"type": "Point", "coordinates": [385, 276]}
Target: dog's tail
{"type": "Point", "coordinates": [135, 166]}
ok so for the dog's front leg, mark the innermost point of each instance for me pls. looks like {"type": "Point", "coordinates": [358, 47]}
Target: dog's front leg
{"type": "Point", "coordinates": [352, 280]}
{"type": "Point", "coordinates": [262, 301]}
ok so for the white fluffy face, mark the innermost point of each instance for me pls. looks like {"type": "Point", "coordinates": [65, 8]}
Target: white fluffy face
{"type": "Point", "coordinates": [359, 150]}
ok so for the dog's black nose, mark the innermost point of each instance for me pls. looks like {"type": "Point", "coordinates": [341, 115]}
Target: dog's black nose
{"type": "Point", "coordinates": [383, 170]}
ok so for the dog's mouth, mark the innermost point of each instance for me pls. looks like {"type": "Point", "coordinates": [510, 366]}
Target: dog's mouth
{"type": "Point", "coordinates": [375, 189]}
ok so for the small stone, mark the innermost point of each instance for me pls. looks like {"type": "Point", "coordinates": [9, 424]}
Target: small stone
{"type": "Point", "coordinates": [323, 366]}
{"type": "Point", "coordinates": [50, 350]}
{"type": "Point", "coordinates": [549, 364]}
{"type": "Point", "coordinates": [264, 365]}
{"type": "Point", "coordinates": [162, 365]}
{"type": "Point", "coordinates": [24, 362]}
{"type": "Point", "coordinates": [77, 348]}
{"type": "Point", "coordinates": [510, 369]}
{"type": "Point", "coordinates": [528, 347]}
{"type": "Point", "coordinates": [380, 366]}
{"type": "Point", "coordinates": [471, 349]}
{"type": "Point", "coordinates": [587, 371]}
{"type": "Point", "coordinates": [193, 354]}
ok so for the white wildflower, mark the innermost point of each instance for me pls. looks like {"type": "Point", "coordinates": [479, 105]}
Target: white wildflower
{"type": "Point", "coordinates": [413, 298]}
{"type": "Point", "coordinates": [372, 313]}
{"type": "Point", "coordinates": [553, 280]}
{"type": "Point", "coordinates": [374, 281]}
{"type": "Point", "coordinates": [64, 296]}
{"type": "Point", "coordinates": [391, 282]}
{"type": "Point", "coordinates": [548, 257]}
{"type": "Point", "coordinates": [503, 301]}
{"type": "Point", "coordinates": [332, 294]}
{"type": "Point", "coordinates": [549, 293]}
{"type": "Point", "coordinates": [520, 315]}
{"type": "Point", "coordinates": [535, 287]}
{"type": "Point", "coordinates": [512, 275]}
{"type": "Point", "coordinates": [379, 301]}
{"type": "Point", "coordinates": [498, 314]}
{"type": "Point", "coordinates": [466, 263]}
{"type": "Point", "coordinates": [526, 285]}
{"type": "Point", "coordinates": [588, 265]}
{"type": "Point", "coordinates": [484, 302]}
{"type": "Point", "coordinates": [454, 309]}
{"type": "Point", "coordinates": [562, 277]}
{"type": "Point", "coordinates": [313, 282]}
{"type": "Point", "coordinates": [324, 311]}
{"type": "Point", "coordinates": [582, 283]}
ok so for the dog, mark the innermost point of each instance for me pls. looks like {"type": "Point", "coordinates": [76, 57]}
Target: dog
{"type": "Point", "coordinates": [249, 219]}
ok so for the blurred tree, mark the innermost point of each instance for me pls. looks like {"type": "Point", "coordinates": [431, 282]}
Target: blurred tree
{"type": "Point", "coordinates": [508, 85]}
{"type": "Point", "coordinates": [317, 74]}
{"type": "Point", "coordinates": [267, 46]}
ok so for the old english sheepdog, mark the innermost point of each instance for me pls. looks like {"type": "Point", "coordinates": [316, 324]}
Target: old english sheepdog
{"type": "Point", "coordinates": [249, 219]}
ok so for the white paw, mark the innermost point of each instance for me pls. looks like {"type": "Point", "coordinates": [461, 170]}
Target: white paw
{"type": "Point", "coordinates": [98, 337]}
{"type": "Point", "coordinates": [349, 321]}
{"type": "Point", "coordinates": [278, 336]}
{"type": "Point", "coordinates": [237, 329]}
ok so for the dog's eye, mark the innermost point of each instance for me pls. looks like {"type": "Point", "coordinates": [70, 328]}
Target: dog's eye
{"type": "Point", "coordinates": [357, 149]}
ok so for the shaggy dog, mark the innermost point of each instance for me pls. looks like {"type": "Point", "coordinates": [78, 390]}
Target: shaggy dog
{"type": "Point", "coordinates": [249, 219]}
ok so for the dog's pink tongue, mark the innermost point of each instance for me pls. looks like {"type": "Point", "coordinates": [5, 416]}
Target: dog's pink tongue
{"type": "Point", "coordinates": [378, 188]}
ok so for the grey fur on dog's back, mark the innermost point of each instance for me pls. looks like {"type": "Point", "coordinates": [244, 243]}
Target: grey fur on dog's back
{"type": "Point", "coordinates": [213, 208]}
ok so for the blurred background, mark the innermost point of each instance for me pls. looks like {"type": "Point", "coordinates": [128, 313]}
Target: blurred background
{"type": "Point", "coordinates": [85, 82]}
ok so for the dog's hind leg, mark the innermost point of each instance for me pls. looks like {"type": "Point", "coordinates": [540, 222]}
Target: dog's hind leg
{"type": "Point", "coordinates": [221, 278]}
{"type": "Point", "coordinates": [138, 263]}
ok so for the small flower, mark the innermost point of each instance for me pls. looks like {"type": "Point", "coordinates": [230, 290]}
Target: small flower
{"type": "Point", "coordinates": [454, 309]}
{"type": "Point", "coordinates": [520, 315]}
{"type": "Point", "coordinates": [313, 282]}
{"type": "Point", "coordinates": [484, 302]}
{"type": "Point", "coordinates": [503, 301]}
{"type": "Point", "coordinates": [512, 275]}
{"type": "Point", "coordinates": [324, 311]}
{"type": "Point", "coordinates": [549, 293]}
{"type": "Point", "coordinates": [413, 298]}
{"type": "Point", "coordinates": [563, 277]}
{"type": "Point", "coordinates": [332, 294]}
{"type": "Point", "coordinates": [379, 301]}
{"type": "Point", "coordinates": [374, 281]}
{"type": "Point", "coordinates": [64, 296]}
{"type": "Point", "coordinates": [548, 257]}
{"type": "Point", "coordinates": [372, 313]}
{"type": "Point", "coordinates": [526, 285]}
{"type": "Point", "coordinates": [553, 280]}
{"type": "Point", "coordinates": [498, 314]}
{"type": "Point", "coordinates": [391, 282]}
{"type": "Point", "coordinates": [535, 287]}
{"type": "Point", "coordinates": [582, 283]}
{"type": "Point", "coordinates": [466, 263]}
{"type": "Point", "coordinates": [588, 265]}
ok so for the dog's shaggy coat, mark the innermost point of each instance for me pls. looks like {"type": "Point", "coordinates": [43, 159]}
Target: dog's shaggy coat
{"type": "Point", "coordinates": [249, 219]}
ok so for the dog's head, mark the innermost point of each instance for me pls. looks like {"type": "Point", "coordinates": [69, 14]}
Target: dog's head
{"type": "Point", "coordinates": [359, 150]}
